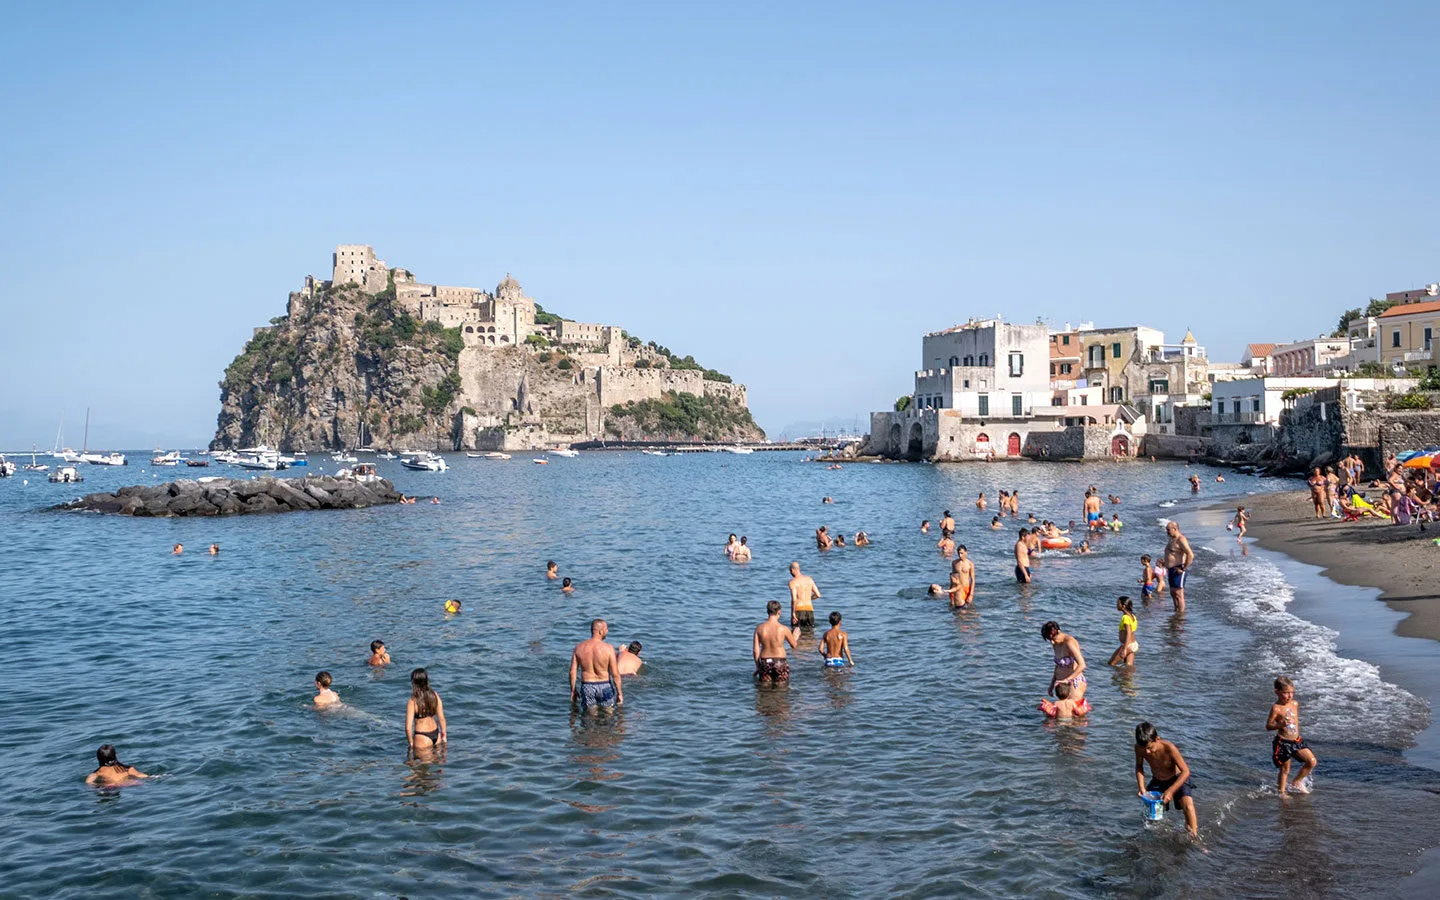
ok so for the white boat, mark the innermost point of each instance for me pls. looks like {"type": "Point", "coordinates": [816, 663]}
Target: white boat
{"type": "Point", "coordinates": [103, 459]}
{"type": "Point", "coordinates": [259, 458]}
{"type": "Point", "coordinates": [228, 457]}
{"type": "Point", "coordinates": [167, 459]}
{"type": "Point", "coordinates": [7, 468]}
{"type": "Point", "coordinates": [491, 455]}
{"type": "Point", "coordinates": [343, 457]}
{"type": "Point", "coordinates": [425, 462]}
{"type": "Point", "coordinates": [66, 475]}
{"type": "Point", "coordinates": [388, 455]}
{"type": "Point", "coordinates": [34, 466]}
{"type": "Point", "coordinates": [363, 473]}
{"type": "Point", "coordinates": [561, 451]}
{"type": "Point", "coordinates": [656, 453]}
{"type": "Point", "coordinates": [743, 451]}
{"type": "Point", "coordinates": [540, 462]}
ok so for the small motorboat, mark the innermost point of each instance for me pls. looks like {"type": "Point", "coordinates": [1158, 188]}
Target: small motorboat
{"type": "Point", "coordinates": [388, 455]}
{"type": "Point", "coordinates": [7, 468]}
{"type": "Point", "coordinates": [540, 462]}
{"type": "Point", "coordinates": [167, 459]}
{"type": "Point", "coordinates": [66, 475]}
{"type": "Point", "coordinates": [103, 459]}
{"type": "Point", "coordinates": [260, 458]}
{"type": "Point", "coordinates": [33, 466]}
{"type": "Point", "coordinates": [363, 472]}
{"type": "Point", "coordinates": [656, 453]}
{"type": "Point", "coordinates": [425, 462]}
{"type": "Point", "coordinates": [198, 463]}
{"type": "Point", "coordinates": [493, 454]}
{"type": "Point", "coordinates": [743, 451]}
{"type": "Point", "coordinates": [343, 457]}
{"type": "Point", "coordinates": [562, 451]}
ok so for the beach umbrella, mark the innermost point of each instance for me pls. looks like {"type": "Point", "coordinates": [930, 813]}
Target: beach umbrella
{"type": "Point", "coordinates": [1423, 461]}
{"type": "Point", "coordinates": [1406, 455]}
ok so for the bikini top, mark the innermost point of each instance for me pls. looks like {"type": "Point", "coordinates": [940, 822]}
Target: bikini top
{"type": "Point", "coordinates": [1065, 661]}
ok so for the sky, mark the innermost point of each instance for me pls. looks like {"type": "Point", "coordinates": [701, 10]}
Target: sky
{"type": "Point", "coordinates": [792, 193]}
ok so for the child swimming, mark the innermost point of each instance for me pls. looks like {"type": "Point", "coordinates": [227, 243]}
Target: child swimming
{"type": "Point", "coordinates": [1064, 707]}
{"type": "Point", "coordinates": [325, 696]}
{"type": "Point", "coordinates": [111, 771]}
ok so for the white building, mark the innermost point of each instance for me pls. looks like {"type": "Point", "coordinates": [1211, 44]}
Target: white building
{"type": "Point", "coordinates": [1314, 356]}
{"type": "Point", "coordinates": [985, 368]}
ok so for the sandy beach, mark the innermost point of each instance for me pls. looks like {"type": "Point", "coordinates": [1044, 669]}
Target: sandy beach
{"type": "Point", "coordinates": [1400, 560]}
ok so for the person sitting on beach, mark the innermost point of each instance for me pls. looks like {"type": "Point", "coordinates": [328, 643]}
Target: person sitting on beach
{"type": "Point", "coordinates": [627, 658]}
{"type": "Point", "coordinates": [995, 524]}
{"type": "Point", "coordinates": [822, 538]}
{"type": "Point", "coordinates": [424, 713]}
{"type": "Point", "coordinates": [177, 549]}
{"type": "Point", "coordinates": [981, 503]}
{"type": "Point", "coordinates": [742, 551]}
{"type": "Point", "coordinates": [1285, 722]}
{"type": "Point", "coordinates": [1170, 777]}
{"type": "Point", "coordinates": [552, 570]}
{"type": "Point", "coordinates": [567, 586]}
{"type": "Point", "coordinates": [325, 696]}
{"type": "Point", "coordinates": [925, 527]}
{"type": "Point", "coordinates": [839, 540]}
{"type": "Point", "coordinates": [835, 644]}
{"type": "Point", "coordinates": [379, 656]}
{"type": "Point", "coordinates": [730, 546]}
{"type": "Point", "coordinates": [1064, 706]}
{"type": "Point", "coordinates": [1125, 654]}
{"type": "Point", "coordinates": [110, 771]}
{"type": "Point", "coordinates": [1069, 661]}
{"type": "Point", "coordinates": [1148, 579]}
{"type": "Point", "coordinates": [767, 646]}
{"type": "Point", "coordinates": [946, 545]}
{"type": "Point", "coordinates": [1238, 523]}
{"type": "Point", "coordinates": [862, 539]}
{"type": "Point", "coordinates": [214, 550]}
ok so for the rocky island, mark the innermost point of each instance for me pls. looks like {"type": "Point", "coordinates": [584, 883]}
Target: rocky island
{"type": "Point", "coordinates": [374, 357]}
{"type": "Point", "coordinates": [239, 496]}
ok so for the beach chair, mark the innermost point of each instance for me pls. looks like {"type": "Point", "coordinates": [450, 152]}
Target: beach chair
{"type": "Point", "coordinates": [1351, 514]}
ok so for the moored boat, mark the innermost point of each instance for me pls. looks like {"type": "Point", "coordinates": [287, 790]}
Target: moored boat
{"type": "Point", "coordinates": [563, 451]}
{"type": "Point", "coordinates": [66, 475]}
{"type": "Point", "coordinates": [425, 462]}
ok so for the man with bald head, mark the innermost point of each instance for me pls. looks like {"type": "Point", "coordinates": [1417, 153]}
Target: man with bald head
{"type": "Point", "coordinates": [803, 594]}
{"type": "Point", "coordinates": [598, 682]}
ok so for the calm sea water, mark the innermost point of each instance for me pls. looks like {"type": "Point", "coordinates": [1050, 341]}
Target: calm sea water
{"type": "Point", "coordinates": [925, 771]}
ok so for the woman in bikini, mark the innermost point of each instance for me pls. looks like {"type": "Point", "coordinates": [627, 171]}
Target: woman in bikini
{"type": "Point", "coordinates": [111, 771]}
{"type": "Point", "coordinates": [424, 713]}
{"type": "Point", "coordinates": [1069, 661]}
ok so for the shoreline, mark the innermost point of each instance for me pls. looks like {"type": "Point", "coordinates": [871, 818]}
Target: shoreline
{"type": "Point", "coordinates": [1398, 560]}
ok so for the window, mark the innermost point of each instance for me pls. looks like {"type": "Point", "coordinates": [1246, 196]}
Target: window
{"type": "Point", "coordinates": [1159, 385]}
{"type": "Point", "coordinates": [1057, 401]}
{"type": "Point", "coordinates": [1066, 368]}
{"type": "Point", "coordinates": [1235, 407]}
{"type": "Point", "coordinates": [1255, 405]}
{"type": "Point", "coordinates": [984, 359]}
{"type": "Point", "coordinates": [1017, 404]}
{"type": "Point", "coordinates": [1117, 395]}
{"type": "Point", "coordinates": [969, 360]}
{"type": "Point", "coordinates": [954, 361]}
{"type": "Point", "coordinates": [1115, 350]}
{"type": "Point", "coordinates": [1395, 338]}
{"type": "Point", "coordinates": [1084, 400]}
{"type": "Point", "coordinates": [966, 383]}
{"type": "Point", "coordinates": [984, 404]}
{"type": "Point", "coordinates": [1017, 365]}
{"type": "Point", "coordinates": [1065, 339]}
{"type": "Point", "coordinates": [1428, 333]}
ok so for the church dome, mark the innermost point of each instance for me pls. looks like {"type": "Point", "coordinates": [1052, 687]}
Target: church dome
{"type": "Point", "coordinates": [508, 289]}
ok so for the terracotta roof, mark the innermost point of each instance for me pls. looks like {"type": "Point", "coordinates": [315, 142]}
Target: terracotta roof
{"type": "Point", "coordinates": [1259, 350]}
{"type": "Point", "coordinates": [1407, 309]}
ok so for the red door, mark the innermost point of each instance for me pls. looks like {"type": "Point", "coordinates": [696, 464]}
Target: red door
{"type": "Point", "coordinates": [1119, 446]}
{"type": "Point", "coordinates": [1012, 446]}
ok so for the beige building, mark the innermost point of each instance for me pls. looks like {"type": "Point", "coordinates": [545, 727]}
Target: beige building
{"type": "Point", "coordinates": [1406, 335]}
{"type": "Point", "coordinates": [357, 264]}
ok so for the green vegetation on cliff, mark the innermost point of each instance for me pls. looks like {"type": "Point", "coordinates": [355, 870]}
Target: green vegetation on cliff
{"type": "Point", "coordinates": [711, 418]}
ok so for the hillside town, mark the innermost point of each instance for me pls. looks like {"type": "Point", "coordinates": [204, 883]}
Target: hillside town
{"type": "Point", "coordinates": [990, 389]}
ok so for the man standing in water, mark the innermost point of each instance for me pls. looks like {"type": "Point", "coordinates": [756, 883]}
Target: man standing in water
{"type": "Point", "coordinates": [767, 647]}
{"type": "Point", "coordinates": [1022, 558]}
{"type": "Point", "coordinates": [803, 594]}
{"type": "Point", "coordinates": [599, 675]}
{"type": "Point", "coordinates": [1178, 557]}
{"type": "Point", "coordinates": [1092, 508]}
{"type": "Point", "coordinates": [962, 579]}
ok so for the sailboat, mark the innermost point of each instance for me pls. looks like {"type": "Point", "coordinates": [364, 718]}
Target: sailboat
{"type": "Point", "coordinates": [33, 465]}
{"type": "Point", "coordinates": [97, 459]}
{"type": "Point", "coordinates": [59, 452]}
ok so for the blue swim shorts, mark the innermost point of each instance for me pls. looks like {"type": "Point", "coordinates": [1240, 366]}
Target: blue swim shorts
{"type": "Point", "coordinates": [596, 693]}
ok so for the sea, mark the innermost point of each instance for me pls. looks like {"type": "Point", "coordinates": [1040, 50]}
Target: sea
{"type": "Point", "coordinates": [926, 770]}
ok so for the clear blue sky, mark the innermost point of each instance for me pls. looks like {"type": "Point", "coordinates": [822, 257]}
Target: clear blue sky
{"type": "Point", "coordinates": [792, 193]}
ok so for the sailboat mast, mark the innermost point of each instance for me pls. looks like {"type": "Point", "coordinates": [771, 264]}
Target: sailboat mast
{"type": "Point", "coordinates": [85, 447]}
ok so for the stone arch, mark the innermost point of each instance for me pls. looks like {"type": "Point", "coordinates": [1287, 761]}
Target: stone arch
{"type": "Point", "coordinates": [504, 339]}
{"type": "Point", "coordinates": [492, 329]}
{"type": "Point", "coordinates": [915, 446]}
{"type": "Point", "coordinates": [469, 329]}
{"type": "Point", "coordinates": [894, 445]}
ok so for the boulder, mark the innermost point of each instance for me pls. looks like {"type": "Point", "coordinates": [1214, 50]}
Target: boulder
{"type": "Point", "coordinates": [289, 496]}
{"type": "Point", "coordinates": [261, 503]}
{"type": "Point", "coordinates": [226, 496]}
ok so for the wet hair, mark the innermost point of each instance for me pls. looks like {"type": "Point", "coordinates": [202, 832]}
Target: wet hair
{"type": "Point", "coordinates": [835, 618]}
{"type": "Point", "coordinates": [1125, 604]}
{"type": "Point", "coordinates": [959, 548]}
{"type": "Point", "coordinates": [1049, 630]}
{"type": "Point", "coordinates": [1145, 558]}
{"type": "Point", "coordinates": [105, 756]}
{"type": "Point", "coordinates": [376, 645]}
{"type": "Point", "coordinates": [821, 528]}
{"type": "Point", "coordinates": [743, 539]}
{"type": "Point", "coordinates": [994, 519]}
{"type": "Point", "coordinates": [323, 679]}
{"type": "Point", "coordinates": [732, 535]}
{"type": "Point", "coordinates": [566, 582]}
{"type": "Point", "coordinates": [924, 521]}
{"type": "Point", "coordinates": [551, 564]}
{"type": "Point", "coordinates": [772, 608]}
{"type": "Point", "coordinates": [1145, 734]}
{"type": "Point", "coordinates": [1062, 691]}
{"type": "Point", "coordinates": [1024, 532]}
{"type": "Point", "coordinates": [947, 513]}
{"type": "Point", "coordinates": [633, 647]}
{"type": "Point", "coordinates": [1283, 683]}
{"type": "Point", "coordinates": [596, 625]}
{"type": "Point", "coordinates": [426, 700]}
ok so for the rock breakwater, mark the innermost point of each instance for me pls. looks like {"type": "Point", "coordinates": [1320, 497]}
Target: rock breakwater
{"type": "Point", "coordinates": [234, 496]}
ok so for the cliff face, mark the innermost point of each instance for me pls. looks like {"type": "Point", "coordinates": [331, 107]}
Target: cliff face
{"type": "Point", "coordinates": [343, 359]}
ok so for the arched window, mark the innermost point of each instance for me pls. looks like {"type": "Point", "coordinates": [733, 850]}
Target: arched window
{"type": "Point", "coordinates": [469, 329]}
{"type": "Point", "coordinates": [504, 339]}
{"type": "Point", "coordinates": [984, 359]}
{"type": "Point", "coordinates": [954, 361]}
{"type": "Point", "coordinates": [969, 360]}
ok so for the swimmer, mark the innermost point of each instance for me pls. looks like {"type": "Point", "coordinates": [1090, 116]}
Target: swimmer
{"type": "Point", "coordinates": [1069, 661]}
{"type": "Point", "coordinates": [1084, 547]}
{"type": "Point", "coordinates": [177, 550]}
{"type": "Point", "coordinates": [995, 524]}
{"type": "Point", "coordinates": [767, 645]}
{"type": "Point", "coordinates": [453, 606]}
{"type": "Point", "coordinates": [424, 713]}
{"type": "Point", "coordinates": [567, 586]}
{"type": "Point", "coordinates": [111, 771]}
{"type": "Point", "coordinates": [1169, 774]}
{"type": "Point", "coordinates": [1065, 706]}
{"type": "Point", "coordinates": [325, 696]}
{"type": "Point", "coordinates": [627, 658]}
{"type": "Point", "coordinates": [595, 671]}
{"type": "Point", "coordinates": [214, 550]}
{"type": "Point", "coordinates": [742, 552]}
{"type": "Point", "coordinates": [1220, 479]}
{"type": "Point", "coordinates": [981, 503]}
{"type": "Point", "coordinates": [947, 524]}
{"type": "Point", "coordinates": [1194, 484]}
{"type": "Point", "coordinates": [946, 545]}
{"type": "Point", "coordinates": [962, 579]}
{"type": "Point", "coordinates": [1178, 557]}
{"type": "Point", "coordinates": [1114, 499]}
{"type": "Point", "coordinates": [839, 540]}
{"type": "Point", "coordinates": [827, 500]}
{"type": "Point", "coordinates": [1125, 654]}
{"type": "Point", "coordinates": [835, 644]}
{"type": "Point", "coordinates": [862, 539]}
{"type": "Point", "coordinates": [730, 546]}
{"type": "Point", "coordinates": [552, 571]}
{"type": "Point", "coordinates": [434, 500]}
{"type": "Point", "coordinates": [1030, 518]}
{"type": "Point", "coordinates": [803, 594]}
{"type": "Point", "coordinates": [1022, 558]}
{"type": "Point", "coordinates": [925, 527]}
{"type": "Point", "coordinates": [1092, 508]}
{"type": "Point", "coordinates": [1115, 523]}
{"type": "Point", "coordinates": [379, 656]}
{"type": "Point", "coordinates": [1004, 501]}
{"type": "Point", "coordinates": [1285, 722]}
{"type": "Point", "coordinates": [934, 590]}
{"type": "Point", "coordinates": [822, 538]}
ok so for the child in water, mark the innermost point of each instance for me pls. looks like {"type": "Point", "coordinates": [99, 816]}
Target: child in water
{"type": "Point", "coordinates": [454, 606]}
{"type": "Point", "coordinates": [567, 586]}
{"type": "Point", "coordinates": [835, 644]}
{"type": "Point", "coordinates": [1115, 523]}
{"type": "Point", "coordinates": [1285, 722]}
{"type": "Point", "coordinates": [1170, 776]}
{"type": "Point", "coordinates": [1148, 581]}
{"type": "Point", "coordinates": [379, 656]}
{"type": "Point", "coordinates": [1125, 655]}
{"type": "Point", "coordinates": [325, 696]}
{"type": "Point", "coordinates": [1064, 707]}
{"type": "Point", "coordinates": [995, 523]}
{"type": "Point", "coordinates": [1238, 523]}
{"type": "Point", "coordinates": [111, 771]}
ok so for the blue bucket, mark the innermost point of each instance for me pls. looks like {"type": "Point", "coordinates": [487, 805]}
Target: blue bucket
{"type": "Point", "coordinates": [1154, 808]}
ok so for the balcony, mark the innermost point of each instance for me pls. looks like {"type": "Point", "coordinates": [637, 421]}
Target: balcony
{"type": "Point", "coordinates": [1240, 418]}
{"type": "Point", "coordinates": [1425, 355]}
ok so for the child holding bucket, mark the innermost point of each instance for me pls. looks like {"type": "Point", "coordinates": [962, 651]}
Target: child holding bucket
{"type": "Point", "coordinates": [1170, 777]}
{"type": "Point", "coordinates": [1285, 722]}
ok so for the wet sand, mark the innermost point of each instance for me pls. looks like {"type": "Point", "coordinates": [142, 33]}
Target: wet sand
{"type": "Point", "coordinates": [1400, 560]}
